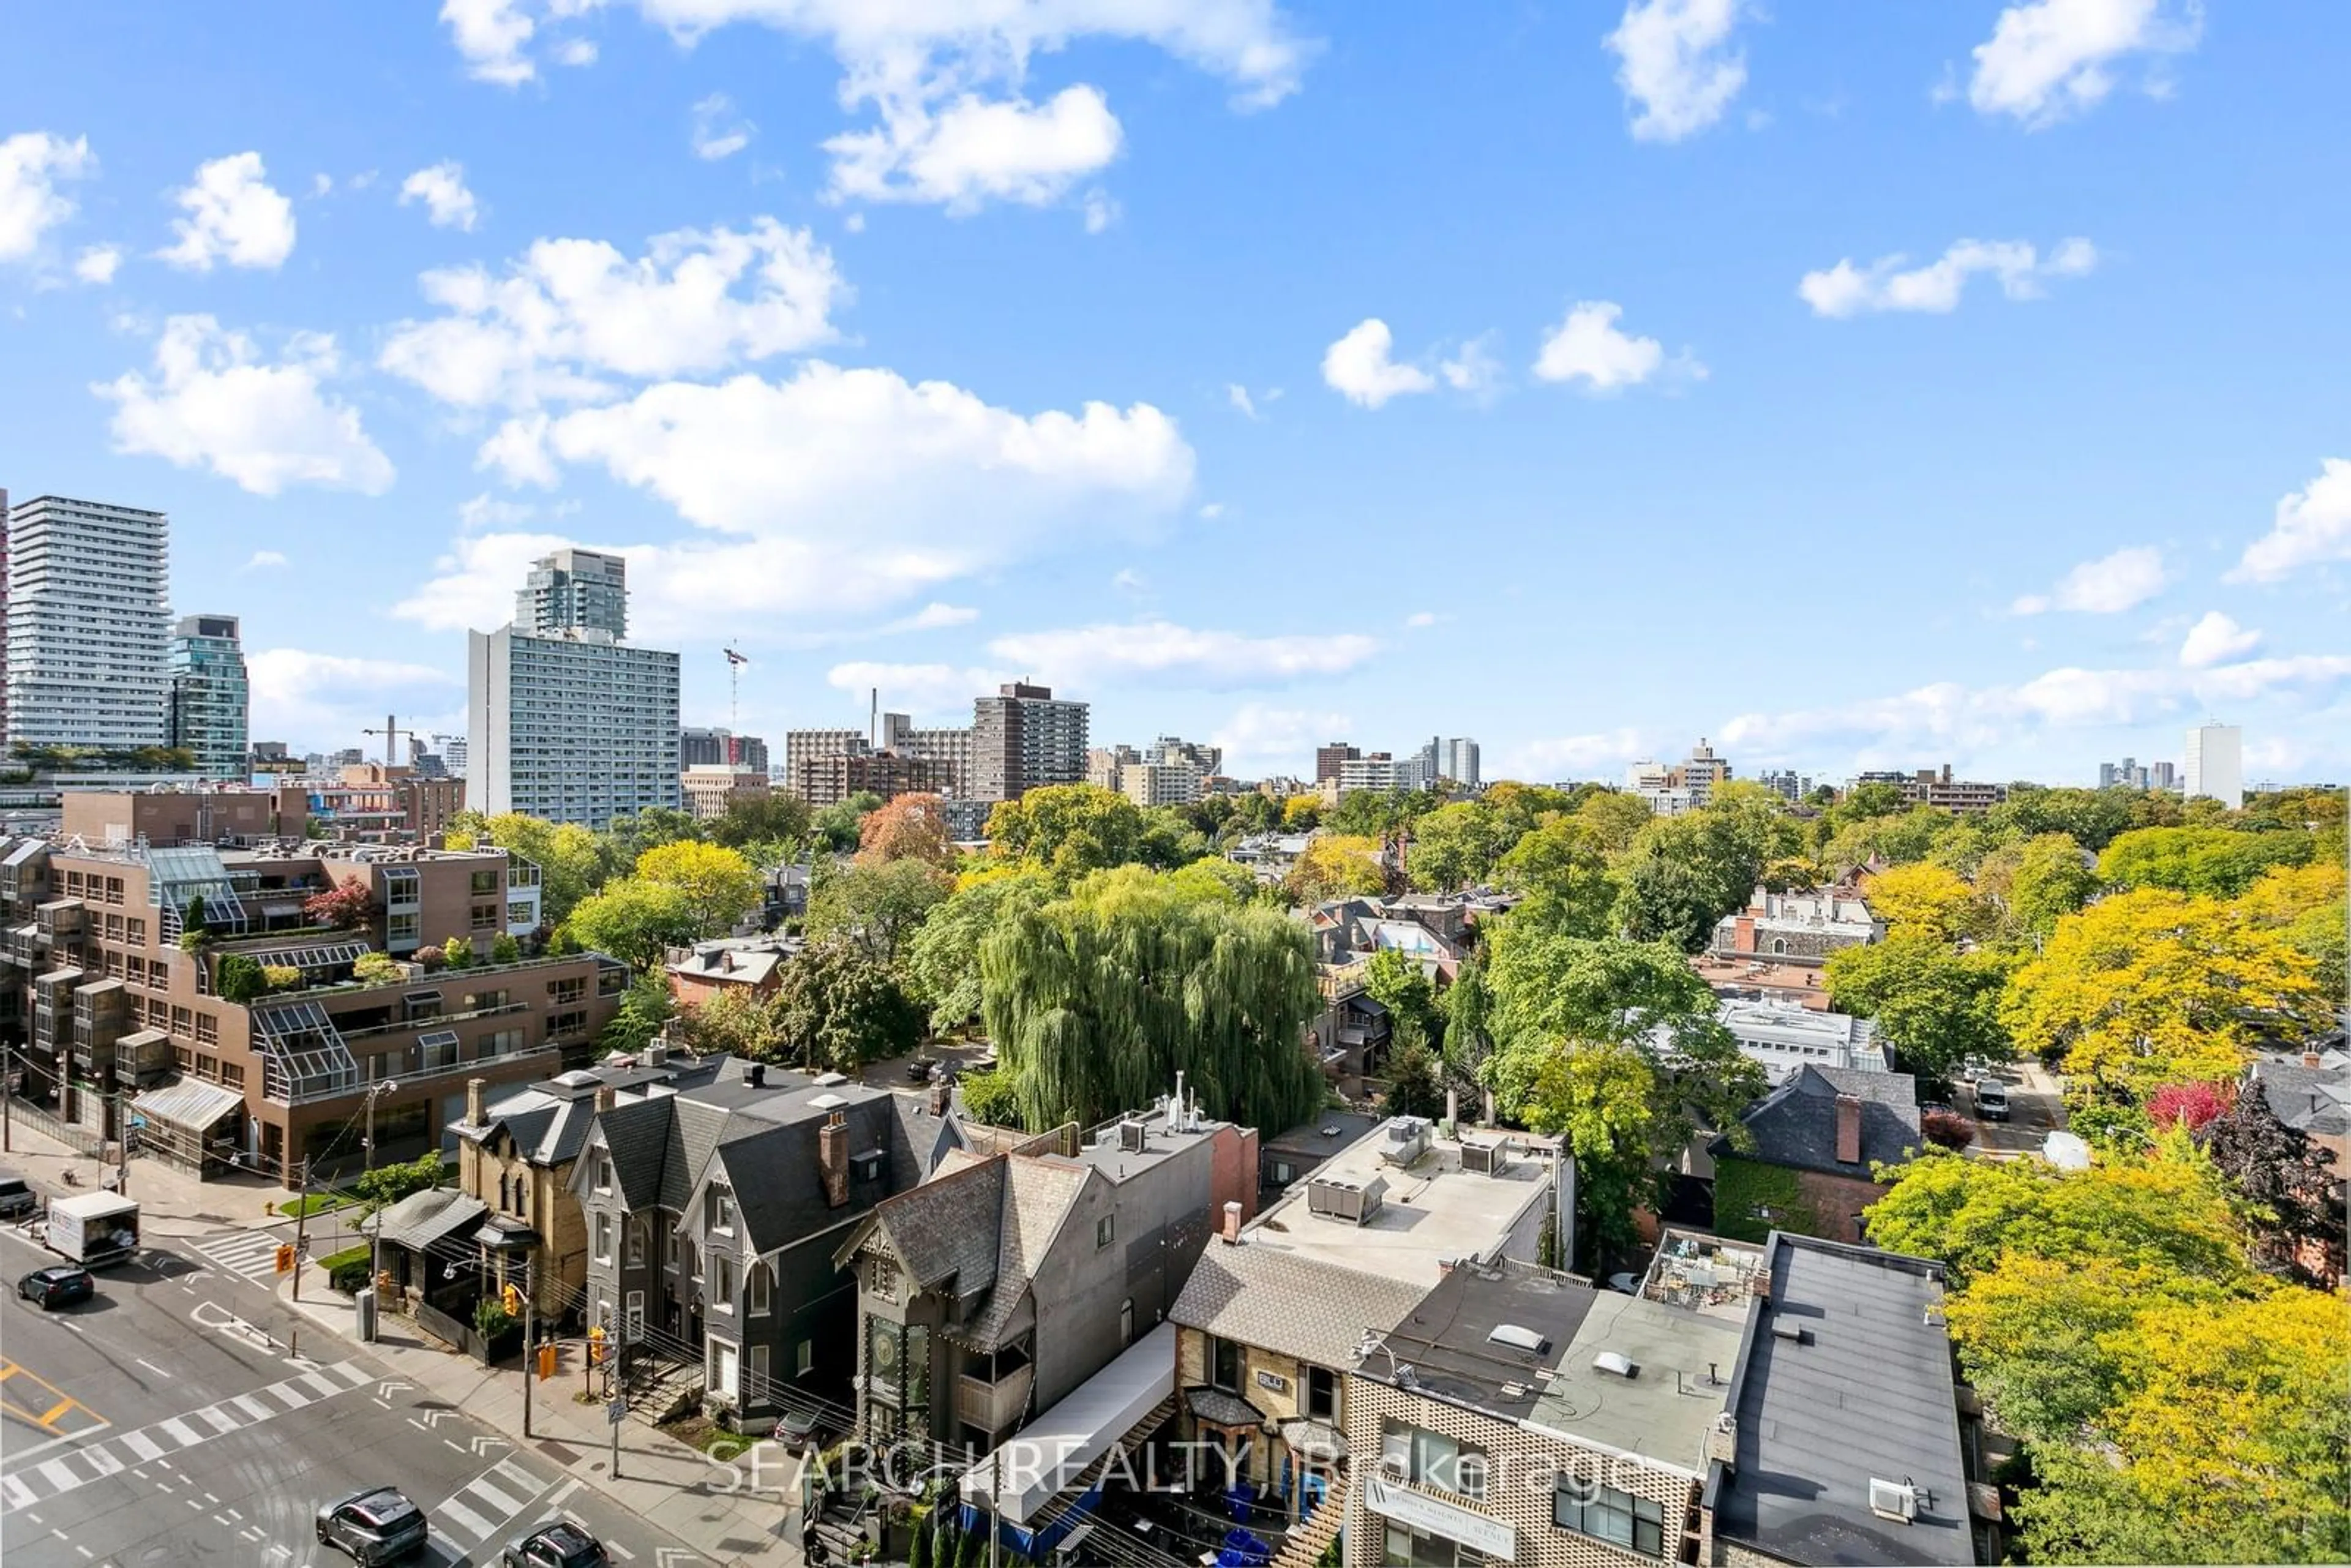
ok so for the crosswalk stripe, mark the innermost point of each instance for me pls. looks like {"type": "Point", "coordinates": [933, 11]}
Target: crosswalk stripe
{"type": "Point", "coordinates": [293, 1393]}
{"type": "Point", "coordinates": [254, 1410]}
{"type": "Point", "coordinates": [179, 1431]}
{"type": "Point", "coordinates": [470, 1525]}
{"type": "Point", "coordinates": [16, 1493]}
{"type": "Point", "coordinates": [515, 1474]}
{"type": "Point", "coordinates": [219, 1419]}
{"type": "Point", "coordinates": [59, 1474]}
{"type": "Point", "coordinates": [508, 1507]}
{"type": "Point", "coordinates": [102, 1459]}
{"type": "Point", "coordinates": [148, 1449]}
{"type": "Point", "coordinates": [351, 1373]}
{"type": "Point", "coordinates": [319, 1381]}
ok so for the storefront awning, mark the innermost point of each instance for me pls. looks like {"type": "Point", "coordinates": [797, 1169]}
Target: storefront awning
{"type": "Point", "coordinates": [191, 1105]}
{"type": "Point", "coordinates": [1047, 1456]}
{"type": "Point", "coordinates": [421, 1218]}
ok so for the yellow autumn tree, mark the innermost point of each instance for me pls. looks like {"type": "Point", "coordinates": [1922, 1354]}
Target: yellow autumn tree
{"type": "Point", "coordinates": [1337, 865]}
{"type": "Point", "coordinates": [2151, 986]}
{"type": "Point", "coordinates": [718, 884]}
{"type": "Point", "coordinates": [1928, 900]}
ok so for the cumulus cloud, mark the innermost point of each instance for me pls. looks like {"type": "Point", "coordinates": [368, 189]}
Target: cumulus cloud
{"type": "Point", "coordinates": [2050, 59]}
{"type": "Point", "coordinates": [2107, 586]}
{"type": "Point", "coordinates": [263, 560]}
{"type": "Point", "coordinates": [234, 216]}
{"type": "Point", "coordinates": [1154, 650]}
{"type": "Point", "coordinates": [1576, 756]}
{"type": "Point", "coordinates": [33, 163]}
{"type": "Point", "coordinates": [1588, 346]}
{"type": "Point", "coordinates": [1889, 284]}
{"type": "Point", "coordinates": [1360, 367]}
{"type": "Point", "coordinates": [941, 485]}
{"type": "Point", "coordinates": [1473, 369]}
{"type": "Point", "coordinates": [571, 313]}
{"type": "Point", "coordinates": [1675, 64]}
{"type": "Point", "coordinates": [2215, 639]}
{"type": "Point", "coordinates": [214, 400]}
{"type": "Point", "coordinates": [1263, 739]}
{"type": "Point", "coordinates": [441, 188]}
{"type": "Point", "coordinates": [925, 690]}
{"type": "Point", "coordinates": [324, 699]}
{"type": "Point", "coordinates": [2313, 525]}
{"type": "Point", "coordinates": [953, 124]}
{"type": "Point", "coordinates": [97, 264]}
{"type": "Point", "coordinates": [931, 617]}
{"type": "Point", "coordinates": [720, 132]}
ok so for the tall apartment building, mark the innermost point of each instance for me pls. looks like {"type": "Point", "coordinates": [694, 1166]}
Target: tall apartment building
{"type": "Point", "coordinates": [4, 618]}
{"type": "Point", "coordinates": [209, 694]}
{"type": "Point", "coordinates": [1329, 759]}
{"type": "Point", "coordinates": [1937, 788]}
{"type": "Point", "coordinates": [1151, 784]}
{"type": "Point", "coordinates": [1702, 772]}
{"type": "Point", "coordinates": [575, 590]}
{"type": "Point", "coordinates": [1203, 759]}
{"type": "Point", "coordinates": [1105, 765]}
{"type": "Point", "coordinates": [828, 779]}
{"type": "Point", "coordinates": [572, 724]}
{"type": "Point", "coordinates": [2215, 764]}
{"type": "Point", "coordinates": [1458, 759]}
{"type": "Point", "coordinates": [712, 791]}
{"type": "Point", "coordinates": [1379, 771]}
{"type": "Point", "coordinates": [706, 748]}
{"type": "Point", "coordinates": [1789, 784]}
{"type": "Point", "coordinates": [1024, 737]}
{"type": "Point", "coordinates": [88, 625]}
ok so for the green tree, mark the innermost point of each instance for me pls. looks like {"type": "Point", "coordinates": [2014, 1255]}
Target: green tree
{"type": "Point", "coordinates": [1398, 983]}
{"type": "Point", "coordinates": [1683, 873]}
{"type": "Point", "coordinates": [1899, 839]}
{"type": "Point", "coordinates": [237, 979]}
{"type": "Point", "coordinates": [840, 826]}
{"type": "Point", "coordinates": [505, 950]}
{"type": "Point", "coordinates": [1936, 1006]}
{"type": "Point", "coordinates": [778, 817]}
{"type": "Point", "coordinates": [1601, 1095]}
{"type": "Point", "coordinates": [645, 1007]}
{"type": "Point", "coordinates": [737, 1020]}
{"type": "Point", "coordinates": [387, 1184]}
{"type": "Point", "coordinates": [990, 1099]}
{"type": "Point", "coordinates": [377, 969]}
{"type": "Point", "coordinates": [572, 862]}
{"type": "Point", "coordinates": [1458, 845]}
{"type": "Point", "coordinates": [2039, 880]}
{"type": "Point", "coordinates": [1929, 900]}
{"type": "Point", "coordinates": [941, 960]}
{"type": "Point", "coordinates": [877, 906]}
{"type": "Point", "coordinates": [2305, 906]}
{"type": "Point", "coordinates": [1547, 988]}
{"type": "Point", "coordinates": [2090, 817]}
{"type": "Point", "coordinates": [636, 921]}
{"type": "Point", "coordinates": [457, 952]}
{"type": "Point", "coordinates": [719, 886]}
{"type": "Point", "coordinates": [1613, 820]}
{"type": "Point", "coordinates": [632, 834]}
{"type": "Point", "coordinates": [1336, 865]}
{"type": "Point", "coordinates": [1562, 870]}
{"type": "Point", "coordinates": [2213, 862]}
{"type": "Point", "coordinates": [1067, 831]}
{"type": "Point", "coordinates": [836, 1009]}
{"type": "Point", "coordinates": [1095, 1003]}
{"type": "Point", "coordinates": [1415, 1077]}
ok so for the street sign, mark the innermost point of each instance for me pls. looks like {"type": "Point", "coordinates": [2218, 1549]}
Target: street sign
{"type": "Point", "coordinates": [616, 1412]}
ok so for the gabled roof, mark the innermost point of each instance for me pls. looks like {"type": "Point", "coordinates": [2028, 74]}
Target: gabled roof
{"type": "Point", "coordinates": [944, 1228]}
{"type": "Point", "coordinates": [1290, 1304]}
{"type": "Point", "coordinates": [2315, 1100]}
{"type": "Point", "coordinates": [1038, 1194]}
{"type": "Point", "coordinates": [1795, 1124]}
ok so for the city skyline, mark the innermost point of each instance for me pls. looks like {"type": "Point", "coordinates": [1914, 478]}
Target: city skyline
{"type": "Point", "coordinates": [1587, 430]}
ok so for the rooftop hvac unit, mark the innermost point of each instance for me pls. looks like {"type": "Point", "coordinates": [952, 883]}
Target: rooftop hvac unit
{"type": "Point", "coordinates": [1893, 1500]}
{"type": "Point", "coordinates": [1487, 1159]}
{"type": "Point", "coordinates": [1353, 1202]}
{"type": "Point", "coordinates": [1134, 1138]}
{"type": "Point", "coordinates": [1408, 1140]}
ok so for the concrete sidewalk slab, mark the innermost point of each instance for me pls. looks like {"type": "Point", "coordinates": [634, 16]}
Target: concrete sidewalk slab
{"type": "Point", "coordinates": [171, 1201]}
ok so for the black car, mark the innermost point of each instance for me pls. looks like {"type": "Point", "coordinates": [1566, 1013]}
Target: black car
{"type": "Point", "coordinates": [60, 1286]}
{"type": "Point", "coordinates": [378, 1525]}
{"type": "Point", "coordinates": [562, 1545]}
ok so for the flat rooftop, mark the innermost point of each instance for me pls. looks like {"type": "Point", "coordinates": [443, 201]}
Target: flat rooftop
{"type": "Point", "coordinates": [1430, 1213]}
{"type": "Point", "coordinates": [1106, 1147]}
{"type": "Point", "coordinates": [1703, 1274]}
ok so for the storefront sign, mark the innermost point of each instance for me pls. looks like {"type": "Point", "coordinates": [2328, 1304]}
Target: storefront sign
{"type": "Point", "coordinates": [1421, 1511]}
{"type": "Point", "coordinates": [1273, 1382]}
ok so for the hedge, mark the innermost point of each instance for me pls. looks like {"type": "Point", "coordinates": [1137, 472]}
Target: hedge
{"type": "Point", "coordinates": [347, 1270]}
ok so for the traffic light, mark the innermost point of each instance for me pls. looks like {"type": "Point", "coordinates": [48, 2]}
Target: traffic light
{"type": "Point", "coordinates": [596, 1345]}
{"type": "Point", "coordinates": [511, 1299]}
{"type": "Point", "coordinates": [286, 1257]}
{"type": "Point", "coordinates": [546, 1362]}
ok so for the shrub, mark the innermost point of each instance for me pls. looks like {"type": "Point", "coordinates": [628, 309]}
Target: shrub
{"type": "Point", "coordinates": [989, 1099]}
{"type": "Point", "coordinates": [1949, 1128]}
{"type": "Point", "coordinates": [346, 908]}
{"type": "Point", "coordinates": [377, 969]}
{"type": "Point", "coordinates": [347, 1270]}
{"type": "Point", "coordinates": [431, 959]}
{"type": "Point", "coordinates": [457, 952]}
{"type": "Point", "coordinates": [491, 1318]}
{"type": "Point", "coordinates": [2189, 1105]}
{"type": "Point", "coordinates": [505, 950]}
{"type": "Point", "coordinates": [237, 979]}
{"type": "Point", "coordinates": [280, 977]}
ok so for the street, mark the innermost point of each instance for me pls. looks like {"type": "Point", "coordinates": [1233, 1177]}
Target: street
{"type": "Point", "coordinates": [170, 1420]}
{"type": "Point", "coordinates": [2036, 1110]}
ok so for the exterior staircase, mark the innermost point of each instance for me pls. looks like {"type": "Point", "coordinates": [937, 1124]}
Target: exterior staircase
{"type": "Point", "coordinates": [1304, 1545]}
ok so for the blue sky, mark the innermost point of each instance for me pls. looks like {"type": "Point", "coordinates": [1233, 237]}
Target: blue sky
{"type": "Point", "coordinates": [1854, 387]}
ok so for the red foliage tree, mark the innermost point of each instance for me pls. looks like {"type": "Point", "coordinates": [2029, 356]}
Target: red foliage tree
{"type": "Point", "coordinates": [346, 907]}
{"type": "Point", "coordinates": [1949, 1128]}
{"type": "Point", "coordinates": [912, 827]}
{"type": "Point", "coordinates": [2189, 1105]}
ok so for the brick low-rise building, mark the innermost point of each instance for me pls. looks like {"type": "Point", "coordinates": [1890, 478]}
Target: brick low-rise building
{"type": "Point", "coordinates": [1816, 1141]}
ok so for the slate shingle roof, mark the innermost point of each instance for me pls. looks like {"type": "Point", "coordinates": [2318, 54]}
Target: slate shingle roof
{"type": "Point", "coordinates": [1795, 1124]}
{"type": "Point", "coordinates": [1288, 1303]}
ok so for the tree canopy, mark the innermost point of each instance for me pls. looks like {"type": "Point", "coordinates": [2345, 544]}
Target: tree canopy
{"type": "Point", "coordinates": [911, 826]}
{"type": "Point", "coordinates": [836, 1009]}
{"type": "Point", "coordinates": [877, 906]}
{"type": "Point", "coordinates": [718, 884]}
{"type": "Point", "coordinates": [2213, 862]}
{"type": "Point", "coordinates": [636, 921]}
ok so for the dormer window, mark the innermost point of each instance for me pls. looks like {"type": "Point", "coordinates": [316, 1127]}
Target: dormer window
{"type": "Point", "coordinates": [603, 1172]}
{"type": "Point", "coordinates": [718, 1210]}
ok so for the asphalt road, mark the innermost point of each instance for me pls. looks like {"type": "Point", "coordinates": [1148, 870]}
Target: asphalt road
{"type": "Point", "coordinates": [2034, 1111]}
{"type": "Point", "coordinates": [169, 1422]}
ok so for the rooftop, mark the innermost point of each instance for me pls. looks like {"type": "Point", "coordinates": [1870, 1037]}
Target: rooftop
{"type": "Point", "coordinates": [1704, 1274]}
{"type": "Point", "coordinates": [1795, 1124]}
{"type": "Point", "coordinates": [1802, 983]}
{"type": "Point", "coordinates": [1845, 1380]}
{"type": "Point", "coordinates": [1426, 1213]}
{"type": "Point", "coordinates": [1136, 1142]}
{"type": "Point", "coordinates": [1289, 1303]}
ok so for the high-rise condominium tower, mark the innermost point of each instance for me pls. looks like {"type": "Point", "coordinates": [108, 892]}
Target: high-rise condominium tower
{"type": "Point", "coordinates": [209, 695]}
{"type": "Point", "coordinates": [88, 624]}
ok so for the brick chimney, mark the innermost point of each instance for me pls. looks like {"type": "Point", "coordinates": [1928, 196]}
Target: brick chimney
{"type": "Point", "coordinates": [474, 1087]}
{"type": "Point", "coordinates": [1848, 1129]}
{"type": "Point", "coordinates": [2313, 1060]}
{"type": "Point", "coordinates": [1232, 1227]}
{"type": "Point", "coordinates": [832, 1158]}
{"type": "Point", "coordinates": [604, 1098]}
{"type": "Point", "coordinates": [942, 1095]}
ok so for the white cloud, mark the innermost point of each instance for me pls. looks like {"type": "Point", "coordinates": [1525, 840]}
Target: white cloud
{"type": "Point", "coordinates": [925, 690]}
{"type": "Point", "coordinates": [1101, 210]}
{"type": "Point", "coordinates": [322, 699]}
{"type": "Point", "coordinates": [234, 216]}
{"type": "Point", "coordinates": [1473, 367]}
{"type": "Point", "coordinates": [1575, 755]}
{"type": "Point", "coordinates": [2215, 639]}
{"type": "Point", "coordinates": [321, 185]}
{"type": "Point", "coordinates": [2050, 58]}
{"type": "Point", "coordinates": [1587, 347]}
{"type": "Point", "coordinates": [1258, 739]}
{"type": "Point", "coordinates": [718, 131]}
{"type": "Point", "coordinates": [491, 34]}
{"type": "Point", "coordinates": [32, 164]}
{"type": "Point", "coordinates": [1359, 368]}
{"type": "Point", "coordinates": [963, 154]}
{"type": "Point", "coordinates": [1420, 620]}
{"type": "Point", "coordinates": [2313, 525]}
{"type": "Point", "coordinates": [487, 511]}
{"type": "Point", "coordinates": [940, 485]}
{"type": "Point", "coordinates": [1845, 289]}
{"type": "Point", "coordinates": [1211, 511]}
{"type": "Point", "coordinates": [935, 615]}
{"type": "Point", "coordinates": [97, 264]}
{"type": "Point", "coordinates": [1160, 650]}
{"type": "Point", "coordinates": [1675, 62]}
{"type": "Point", "coordinates": [1238, 396]}
{"type": "Point", "coordinates": [576, 52]}
{"type": "Point", "coordinates": [261, 559]}
{"type": "Point", "coordinates": [2107, 586]}
{"type": "Point", "coordinates": [215, 401]}
{"type": "Point", "coordinates": [1126, 580]}
{"type": "Point", "coordinates": [441, 188]}
{"type": "Point", "coordinates": [573, 309]}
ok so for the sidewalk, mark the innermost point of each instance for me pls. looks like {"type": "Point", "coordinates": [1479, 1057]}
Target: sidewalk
{"type": "Point", "coordinates": [171, 1201]}
{"type": "Point", "coordinates": [663, 1481]}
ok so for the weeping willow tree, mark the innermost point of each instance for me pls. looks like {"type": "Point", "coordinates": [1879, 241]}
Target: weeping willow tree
{"type": "Point", "coordinates": [1098, 1000]}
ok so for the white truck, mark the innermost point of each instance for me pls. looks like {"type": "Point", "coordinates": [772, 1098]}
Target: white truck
{"type": "Point", "coordinates": [94, 1228]}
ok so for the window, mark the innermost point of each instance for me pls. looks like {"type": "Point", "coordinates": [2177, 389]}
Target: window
{"type": "Point", "coordinates": [1321, 1393]}
{"type": "Point", "coordinates": [603, 1172]}
{"type": "Point", "coordinates": [135, 932]}
{"type": "Point", "coordinates": [208, 1030]}
{"type": "Point", "coordinates": [484, 882]}
{"type": "Point", "coordinates": [505, 1196]}
{"type": "Point", "coordinates": [759, 1289]}
{"type": "Point", "coordinates": [722, 1282]}
{"type": "Point", "coordinates": [720, 1371]}
{"type": "Point", "coordinates": [484, 918]}
{"type": "Point", "coordinates": [1283, 1173]}
{"type": "Point", "coordinates": [718, 1209]}
{"type": "Point", "coordinates": [669, 1250]}
{"type": "Point", "coordinates": [633, 1238]}
{"type": "Point", "coordinates": [633, 1323]}
{"type": "Point", "coordinates": [803, 1358]}
{"type": "Point", "coordinates": [232, 1075]}
{"type": "Point", "coordinates": [1105, 1231]}
{"type": "Point", "coordinates": [758, 1372]}
{"type": "Point", "coordinates": [562, 993]}
{"type": "Point", "coordinates": [1406, 1548]}
{"type": "Point", "coordinates": [1602, 1513]}
{"type": "Point", "coordinates": [603, 1238]}
{"type": "Point", "coordinates": [1225, 1365]}
{"type": "Point", "coordinates": [1433, 1459]}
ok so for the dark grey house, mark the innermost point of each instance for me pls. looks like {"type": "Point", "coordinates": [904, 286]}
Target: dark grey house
{"type": "Point", "coordinates": [713, 1214]}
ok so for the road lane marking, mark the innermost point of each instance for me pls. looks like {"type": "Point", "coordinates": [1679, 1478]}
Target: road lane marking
{"type": "Point", "coordinates": [178, 1430]}
{"type": "Point", "coordinates": [220, 1420]}
{"type": "Point", "coordinates": [254, 1410]}
{"type": "Point", "coordinates": [319, 1381]}
{"type": "Point", "coordinates": [471, 1526]}
{"type": "Point", "coordinates": [14, 1493]}
{"type": "Point", "coordinates": [59, 1474]}
{"type": "Point", "coordinates": [145, 1447]}
{"type": "Point", "coordinates": [152, 1367]}
{"type": "Point", "coordinates": [59, 1414]}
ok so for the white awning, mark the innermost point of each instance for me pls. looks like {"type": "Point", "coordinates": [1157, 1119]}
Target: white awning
{"type": "Point", "coordinates": [191, 1103]}
{"type": "Point", "coordinates": [1046, 1458]}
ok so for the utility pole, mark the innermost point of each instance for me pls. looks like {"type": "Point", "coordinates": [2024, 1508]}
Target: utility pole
{"type": "Point", "coordinates": [122, 1143]}
{"type": "Point", "coordinates": [301, 1221]}
{"type": "Point", "coordinates": [7, 1098]}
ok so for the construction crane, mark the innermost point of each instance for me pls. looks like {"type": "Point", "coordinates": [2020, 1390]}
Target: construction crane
{"type": "Point", "coordinates": [735, 662]}
{"type": "Point", "coordinates": [390, 732]}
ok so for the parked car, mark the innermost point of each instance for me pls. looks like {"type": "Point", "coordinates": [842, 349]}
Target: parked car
{"type": "Point", "coordinates": [59, 1285]}
{"type": "Point", "coordinates": [17, 1199]}
{"type": "Point", "coordinates": [1991, 1100]}
{"type": "Point", "coordinates": [378, 1525]}
{"type": "Point", "coordinates": [562, 1545]}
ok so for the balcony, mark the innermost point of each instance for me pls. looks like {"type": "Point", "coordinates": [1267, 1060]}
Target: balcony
{"type": "Point", "coordinates": [993, 1406]}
